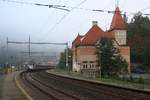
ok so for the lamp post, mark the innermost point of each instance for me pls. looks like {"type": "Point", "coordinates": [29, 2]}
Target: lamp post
{"type": "Point", "coordinates": [69, 63]}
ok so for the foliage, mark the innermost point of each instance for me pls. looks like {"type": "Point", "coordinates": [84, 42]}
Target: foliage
{"type": "Point", "coordinates": [141, 80]}
{"type": "Point", "coordinates": [139, 25]}
{"type": "Point", "coordinates": [109, 59]}
{"type": "Point", "coordinates": [147, 54]}
{"type": "Point", "coordinates": [62, 60]}
{"type": "Point", "coordinates": [138, 34]}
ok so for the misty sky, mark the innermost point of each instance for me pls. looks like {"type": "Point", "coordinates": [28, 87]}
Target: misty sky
{"type": "Point", "coordinates": [18, 21]}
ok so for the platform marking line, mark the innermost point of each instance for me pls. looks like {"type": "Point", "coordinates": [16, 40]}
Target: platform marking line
{"type": "Point", "coordinates": [22, 90]}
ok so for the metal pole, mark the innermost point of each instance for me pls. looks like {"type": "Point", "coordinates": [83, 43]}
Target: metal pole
{"type": "Point", "coordinates": [7, 51]}
{"type": "Point", "coordinates": [40, 43]}
{"type": "Point", "coordinates": [29, 46]}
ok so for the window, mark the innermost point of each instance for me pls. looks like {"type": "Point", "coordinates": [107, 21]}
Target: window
{"type": "Point", "coordinates": [90, 65]}
{"type": "Point", "coordinates": [84, 61]}
{"type": "Point", "coordinates": [91, 61]}
{"type": "Point", "coordinates": [93, 66]}
{"type": "Point", "coordinates": [85, 65]}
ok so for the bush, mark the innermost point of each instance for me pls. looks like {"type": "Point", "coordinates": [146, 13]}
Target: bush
{"type": "Point", "coordinates": [141, 80]}
{"type": "Point", "coordinates": [131, 78]}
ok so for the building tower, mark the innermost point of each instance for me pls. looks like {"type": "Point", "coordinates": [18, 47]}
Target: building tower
{"type": "Point", "coordinates": [119, 28]}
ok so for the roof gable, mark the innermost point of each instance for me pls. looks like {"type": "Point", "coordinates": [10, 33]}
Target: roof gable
{"type": "Point", "coordinates": [77, 40]}
{"type": "Point", "coordinates": [108, 35]}
{"type": "Point", "coordinates": [93, 35]}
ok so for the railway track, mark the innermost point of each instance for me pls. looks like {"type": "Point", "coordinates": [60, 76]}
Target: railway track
{"type": "Point", "coordinates": [108, 90]}
{"type": "Point", "coordinates": [64, 88]}
{"type": "Point", "coordinates": [51, 92]}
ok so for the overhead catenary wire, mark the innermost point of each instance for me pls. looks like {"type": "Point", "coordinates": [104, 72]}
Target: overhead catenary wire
{"type": "Point", "coordinates": [145, 9]}
{"type": "Point", "coordinates": [69, 8]}
{"type": "Point", "coordinates": [47, 20]}
{"type": "Point", "coordinates": [35, 43]}
{"type": "Point", "coordinates": [65, 15]}
{"type": "Point", "coordinates": [87, 9]}
{"type": "Point", "coordinates": [60, 7]}
{"type": "Point", "coordinates": [19, 2]}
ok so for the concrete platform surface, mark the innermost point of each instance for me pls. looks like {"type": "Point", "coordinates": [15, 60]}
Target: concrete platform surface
{"type": "Point", "coordinates": [9, 89]}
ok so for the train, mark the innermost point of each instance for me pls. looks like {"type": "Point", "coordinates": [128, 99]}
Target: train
{"type": "Point", "coordinates": [32, 67]}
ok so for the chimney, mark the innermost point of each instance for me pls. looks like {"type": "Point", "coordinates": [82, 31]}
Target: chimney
{"type": "Point", "coordinates": [94, 23]}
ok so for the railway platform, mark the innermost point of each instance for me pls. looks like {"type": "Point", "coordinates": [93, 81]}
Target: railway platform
{"type": "Point", "coordinates": [9, 89]}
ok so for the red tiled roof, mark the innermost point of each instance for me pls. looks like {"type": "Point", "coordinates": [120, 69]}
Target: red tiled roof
{"type": "Point", "coordinates": [117, 21]}
{"type": "Point", "coordinates": [77, 40]}
{"type": "Point", "coordinates": [92, 36]}
{"type": "Point", "coordinates": [109, 35]}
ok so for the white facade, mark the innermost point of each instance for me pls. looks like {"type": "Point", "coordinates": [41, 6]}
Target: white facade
{"type": "Point", "coordinates": [121, 36]}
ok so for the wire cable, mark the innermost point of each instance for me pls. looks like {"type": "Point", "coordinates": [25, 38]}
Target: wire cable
{"type": "Point", "coordinates": [65, 15]}
{"type": "Point", "coordinates": [60, 7]}
{"type": "Point", "coordinates": [68, 8]}
{"type": "Point", "coordinates": [145, 9]}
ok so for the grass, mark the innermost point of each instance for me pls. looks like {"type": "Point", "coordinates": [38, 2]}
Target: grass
{"type": "Point", "coordinates": [128, 83]}
{"type": "Point", "coordinates": [136, 83]}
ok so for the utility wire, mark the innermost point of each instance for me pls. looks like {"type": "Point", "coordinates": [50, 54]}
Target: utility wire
{"type": "Point", "coordinates": [145, 9]}
{"type": "Point", "coordinates": [60, 7]}
{"type": "Point", "coordinates": [19, 2]}
{"type": "Point", "coordinates": [65, 15]}
{"type": "Point", "coordinates": [52, 6]}
{"type": "Point", "coordinates": [47, 20]}
{"type": "Point", "coordinates": [69, 8]}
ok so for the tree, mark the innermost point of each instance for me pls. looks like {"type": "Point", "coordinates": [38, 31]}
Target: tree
{"type": "Point", "coordinates": [62, 60]}
{"type": "Point", "coordinates": [147, 55]}
{"type": "Point", "coordinates": [138, 33]}
{"type": "Point", "coordinates": [139, 25]}
{"type": "Point", "coordinates": [109, 59]}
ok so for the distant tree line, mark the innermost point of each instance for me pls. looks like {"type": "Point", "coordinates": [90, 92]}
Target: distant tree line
{"type": "Point", "coordinates": [139, 40]}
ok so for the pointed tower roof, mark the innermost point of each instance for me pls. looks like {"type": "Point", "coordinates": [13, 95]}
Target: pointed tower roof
{"type": "Point", "coordinates": [117, 21]}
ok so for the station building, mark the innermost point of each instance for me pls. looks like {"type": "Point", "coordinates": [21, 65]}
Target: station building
{"type": "Point", "coordinates": [84, 50]}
